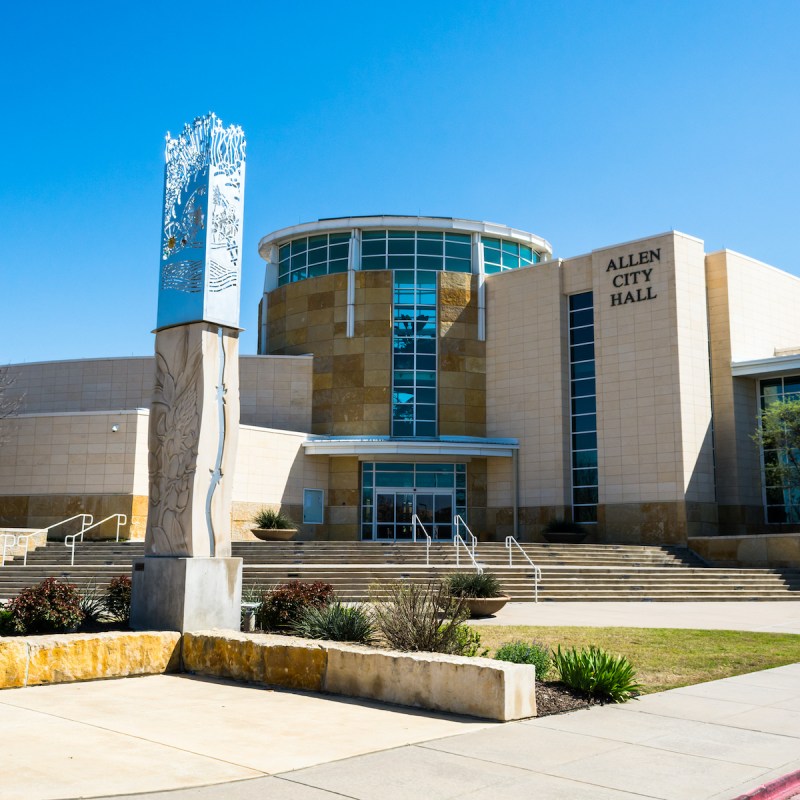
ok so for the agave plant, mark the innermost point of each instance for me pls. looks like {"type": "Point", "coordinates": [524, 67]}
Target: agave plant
{"type": "Point", "coordinates": [335, 622]}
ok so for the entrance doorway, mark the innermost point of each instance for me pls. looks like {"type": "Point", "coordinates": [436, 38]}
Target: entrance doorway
{"type": "Point", "coordinates": [394, 511]}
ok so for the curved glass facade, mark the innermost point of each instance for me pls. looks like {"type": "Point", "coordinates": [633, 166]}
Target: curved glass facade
{"type": "Point", "coordinates": [501, 255]}
{"type": "Point", "coordinates": [428, 250]}
{"type": "Point", "coordinates": [311, 256]}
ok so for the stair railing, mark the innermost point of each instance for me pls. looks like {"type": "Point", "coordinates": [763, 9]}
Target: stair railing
{"type": "Point", "coordinates": [9, 540]}
{"type": "Point", "coordinates": [458, 521]}
{"type": "Point", "coordinates": [25, 538]}
{"type": "Point", "coordinates": [511, 542]}
{"type": "Point", "coordinates": [69, 541]}
{"type": "Point", "coordinates": [415, 520]}
{"type": "Point", "coordinates": [458, 543]}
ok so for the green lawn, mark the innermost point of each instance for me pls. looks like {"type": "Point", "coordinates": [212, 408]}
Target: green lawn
{"type": "Point", "coordinates": [665, 657]}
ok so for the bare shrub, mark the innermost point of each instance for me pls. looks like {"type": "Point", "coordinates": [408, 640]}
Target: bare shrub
{"type": "Point", "coordinates": [419, 616]}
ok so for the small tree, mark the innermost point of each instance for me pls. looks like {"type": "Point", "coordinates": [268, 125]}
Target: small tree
{"type": "Point", "coordinates": [780, 431]}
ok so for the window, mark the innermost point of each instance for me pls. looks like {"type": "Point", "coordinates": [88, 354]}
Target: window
{"type": "Point", "coordinates": [311, 256]}
{"type": "Point", "coordinates": [584, 408]}
{"type": "Point", "coordinates": [313, 506]}
{"type": "Point", "coordinates": [501, 255]}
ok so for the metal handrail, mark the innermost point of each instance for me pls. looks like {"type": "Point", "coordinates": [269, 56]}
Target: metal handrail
{"type": "Point", "coordinates": [122, 519]}
{"type": "Point", "coordinates": [537, 573]}
{"type": "Point", "coordinates": [415, 520]}
{"type": "Point", "coordinates": [26, 537]}
{"type": "Point", "coordinates": [6, 537]}
{"type": "Point", "coordinates": [19, 538]}
{"type": "Point", "coordinates": [473, 539]}
{"type": "Point", "coordinates": [457, 540]}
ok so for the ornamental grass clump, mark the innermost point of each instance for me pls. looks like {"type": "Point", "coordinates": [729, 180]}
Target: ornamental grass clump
{"type": "Point", "coordinates": [335, 622]}
{"type": "Point", "coordinates": [534, 653]}
{"type": "Point", "coordinates": [597, 673]}
{"type": "Point", "coordinates": [273, 520]}
{"type": "Point", "coordinates": [283, 605]}
{"type": "Point", "coordinates": [474, 585]}
{"type": "Point", "coordinates": [49, 607]}
{"type": "Point", "coordinates": [92, 604]}
{"type": "Point", "coordinates": [416, 617]}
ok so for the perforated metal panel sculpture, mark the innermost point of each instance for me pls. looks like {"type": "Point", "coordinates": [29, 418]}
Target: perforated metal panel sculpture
{"type": "Point", "coordinates": [202, 231]}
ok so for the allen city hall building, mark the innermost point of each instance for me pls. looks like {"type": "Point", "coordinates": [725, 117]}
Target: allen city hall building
{"type": "Point", "coordinates": [438, 367]}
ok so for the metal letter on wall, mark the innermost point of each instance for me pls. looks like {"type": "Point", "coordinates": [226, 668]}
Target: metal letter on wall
{"type": "Point", "coordinates": [202, 229]}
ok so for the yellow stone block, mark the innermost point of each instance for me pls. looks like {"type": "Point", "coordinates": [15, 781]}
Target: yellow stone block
{"type": "Point", "coordinates": [63, 658]}
{"type": "Point", "coordinates": [13, 661]}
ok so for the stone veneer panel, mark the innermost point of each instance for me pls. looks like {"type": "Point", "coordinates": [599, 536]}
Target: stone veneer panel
{"type": "Point", "coordinates": [462, 358]}
{"type": "Point", "coordinates": [351, 376]}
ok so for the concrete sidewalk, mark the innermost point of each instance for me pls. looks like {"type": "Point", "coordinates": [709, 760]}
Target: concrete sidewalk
{"type": "Point", "coordinates": [770, 617]}
{"type": "Point", "coordinates": [156, 734]}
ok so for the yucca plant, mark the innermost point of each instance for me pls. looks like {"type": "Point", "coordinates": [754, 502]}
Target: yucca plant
{"type": "Point", "coordinates": [597, 673]}
{"type": "Point", "coordinates": [92, 604]}
{"type": "Point", "coordinates": [474, 584]}
{"type": "Point", "coordinates": [273, 520]}
{"type": "Point", "coordinates": [335, 622]}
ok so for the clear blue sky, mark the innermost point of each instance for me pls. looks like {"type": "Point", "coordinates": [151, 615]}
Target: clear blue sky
{"type": "Point", "coordinates": [587, 123]}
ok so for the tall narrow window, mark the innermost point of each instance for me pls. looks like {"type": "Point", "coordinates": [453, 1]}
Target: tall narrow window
{"type": "Point", "coordinates": [583, 401]}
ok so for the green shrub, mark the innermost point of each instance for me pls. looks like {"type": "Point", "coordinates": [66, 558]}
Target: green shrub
{"type": "Point", "coordinates": [473, 584]}
{"type": "Point", "coordinates": [335, 622]}
{"type": "Point", "coordinates": [118, 598]}
{"type": "Point", "coordinates": [559, 525]}
{"type": "Point", "coordinates": [92, 604]}
{"type": "Point", "coordinates": [468, 642]}
{"type": "Point", "coordinates": [419, 616]}
{"type": "Point", "coordinates": [49, 607]}
{"type": "Point", "coordinates": [534, 653]}
{"type": "Point", "coordinates": [597, 673]}
{"type": "Point", "coordinates": [6, 622]}
{"type": "Point", "coordinates": [285, 604]}
{"type": "Point", "coordinates": [267, 518]}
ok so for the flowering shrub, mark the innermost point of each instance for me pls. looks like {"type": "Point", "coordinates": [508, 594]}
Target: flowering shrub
{"type": "Point", "coordinates": [118, 598]}
{"type": "Point", "coordinates": [50, 607]}
{"type": "Point", "coordinates": [286, 603]}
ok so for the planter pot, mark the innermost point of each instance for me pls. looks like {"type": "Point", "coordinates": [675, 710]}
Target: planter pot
{"type": "Point", "coordinates": [274, 534]}
{"type": "Point", "coordinates": [485, 606]}
{"type": "Point", "coordinates": [564, 537]}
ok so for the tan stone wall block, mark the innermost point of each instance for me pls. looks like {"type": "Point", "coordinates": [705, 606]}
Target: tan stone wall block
{"type": "Point", "coordinates": [475, 686]}
{"type": "Point", "coordinates": [65, 658]}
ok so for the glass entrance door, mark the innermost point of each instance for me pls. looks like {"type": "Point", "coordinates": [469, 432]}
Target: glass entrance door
{"type": "Point", "coordinates": [394, 511]}
{"type": "Point", "coordinates": [435, 512]}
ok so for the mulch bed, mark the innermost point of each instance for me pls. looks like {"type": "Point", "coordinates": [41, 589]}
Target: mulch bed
{"type": "Point", "coordinates": [556, 698]}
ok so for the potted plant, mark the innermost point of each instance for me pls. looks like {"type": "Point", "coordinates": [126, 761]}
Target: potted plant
{"type": "Point", "coordinates": [564, 531]}
{"type": "Point", "coordinates": [272, 525]}
{"type": "Point", "coordinates": [480, 592]}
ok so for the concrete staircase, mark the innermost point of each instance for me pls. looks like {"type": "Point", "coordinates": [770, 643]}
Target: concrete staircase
{"type": "Point", "coordinates": [569, 572]}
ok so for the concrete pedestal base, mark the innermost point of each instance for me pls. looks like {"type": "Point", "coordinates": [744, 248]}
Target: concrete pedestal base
{"type": "Point", "coordinates": [186, 594]}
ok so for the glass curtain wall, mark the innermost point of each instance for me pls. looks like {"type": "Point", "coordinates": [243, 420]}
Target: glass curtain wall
{"type": "Point", "coordinates": [311, 256]}
{"type": "Point", "coordinates": [501, 255]}
{"type": "Point", "coordinates": [583, 400]}
{"type": "Point", "coordinates": [415, 257]}
{"type": "Point", "coordinates": [782, 502]}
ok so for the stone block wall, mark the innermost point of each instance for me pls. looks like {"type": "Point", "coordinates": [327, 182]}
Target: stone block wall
{"type": "Point", "coordinates": [462, 358]}
{"type": "Point", "coordinates": [351, 375]}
